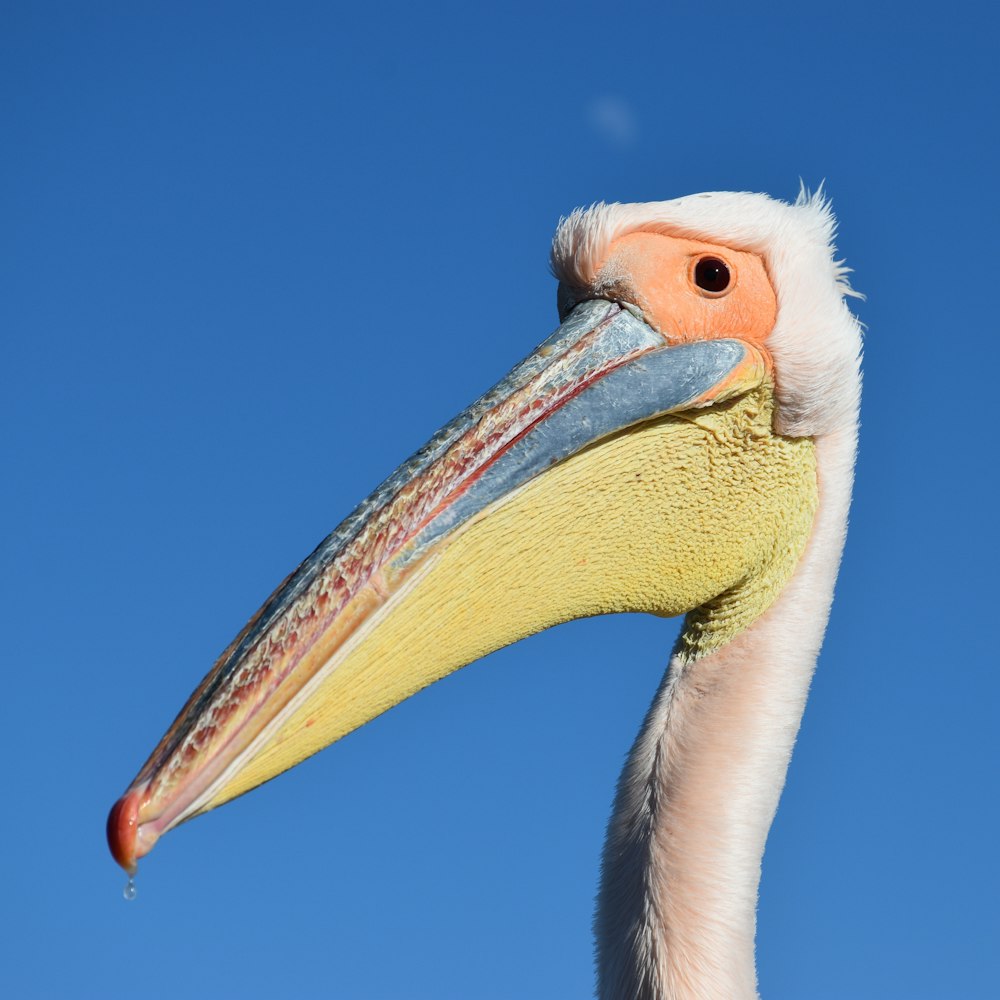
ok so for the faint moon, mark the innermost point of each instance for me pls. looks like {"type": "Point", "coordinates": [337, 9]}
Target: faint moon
{"type": "Point", "coordinates": [614, 121]}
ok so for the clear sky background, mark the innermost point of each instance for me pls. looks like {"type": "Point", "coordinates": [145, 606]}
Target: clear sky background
{"type": "Point", "coordinates": [251, 256]}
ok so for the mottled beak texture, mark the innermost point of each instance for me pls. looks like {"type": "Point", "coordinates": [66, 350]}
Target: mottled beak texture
{"type": "Point", "coordinates": [624, 465]}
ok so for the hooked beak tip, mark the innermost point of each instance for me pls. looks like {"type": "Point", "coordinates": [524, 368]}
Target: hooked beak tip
{"type": "Point", "coordinates": [123, 828]}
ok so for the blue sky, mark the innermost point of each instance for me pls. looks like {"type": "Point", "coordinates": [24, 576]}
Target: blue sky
{"type": "Point", "coordinates": [238, 243]}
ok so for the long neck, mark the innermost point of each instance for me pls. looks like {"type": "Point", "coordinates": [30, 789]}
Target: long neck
{"type": "Point", "coordinates": [676, 912]}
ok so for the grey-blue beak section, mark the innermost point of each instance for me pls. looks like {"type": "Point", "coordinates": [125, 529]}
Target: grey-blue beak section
{"type": "Point", "coordinates": [660, 381]}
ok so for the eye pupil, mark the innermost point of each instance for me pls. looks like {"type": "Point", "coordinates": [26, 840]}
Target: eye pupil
{"type": "Point", "coordinates": [711, 274]}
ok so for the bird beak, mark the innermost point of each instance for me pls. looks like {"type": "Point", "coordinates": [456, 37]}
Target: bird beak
{"type": "Point", "coordinates": [526, 510]}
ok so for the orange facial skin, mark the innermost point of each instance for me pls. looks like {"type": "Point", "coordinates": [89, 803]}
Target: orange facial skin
{"type": "Point", "coordinates": [656, 273]}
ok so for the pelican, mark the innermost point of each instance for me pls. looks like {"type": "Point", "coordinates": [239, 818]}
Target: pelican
{"type": "Point", "coordinates": [682, 444]}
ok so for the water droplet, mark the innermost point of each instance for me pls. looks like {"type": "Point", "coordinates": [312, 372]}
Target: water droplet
{"type": "Point", "coordinates": [130, 891]}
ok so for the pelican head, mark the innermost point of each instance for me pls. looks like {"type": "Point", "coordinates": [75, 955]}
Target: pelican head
{"type": "Point", "coordinates": [682, 444]}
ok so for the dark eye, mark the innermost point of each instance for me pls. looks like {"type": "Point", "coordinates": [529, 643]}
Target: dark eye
{"type": "Point", "coordinates": [711, 274]}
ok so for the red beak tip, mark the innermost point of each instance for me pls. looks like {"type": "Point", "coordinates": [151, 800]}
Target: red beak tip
{"type": "Point", "coordinates": [123, 828]}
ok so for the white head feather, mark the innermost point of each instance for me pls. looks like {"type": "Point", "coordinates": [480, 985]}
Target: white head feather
{"type": "Point", "coordinates": [816, 341]}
